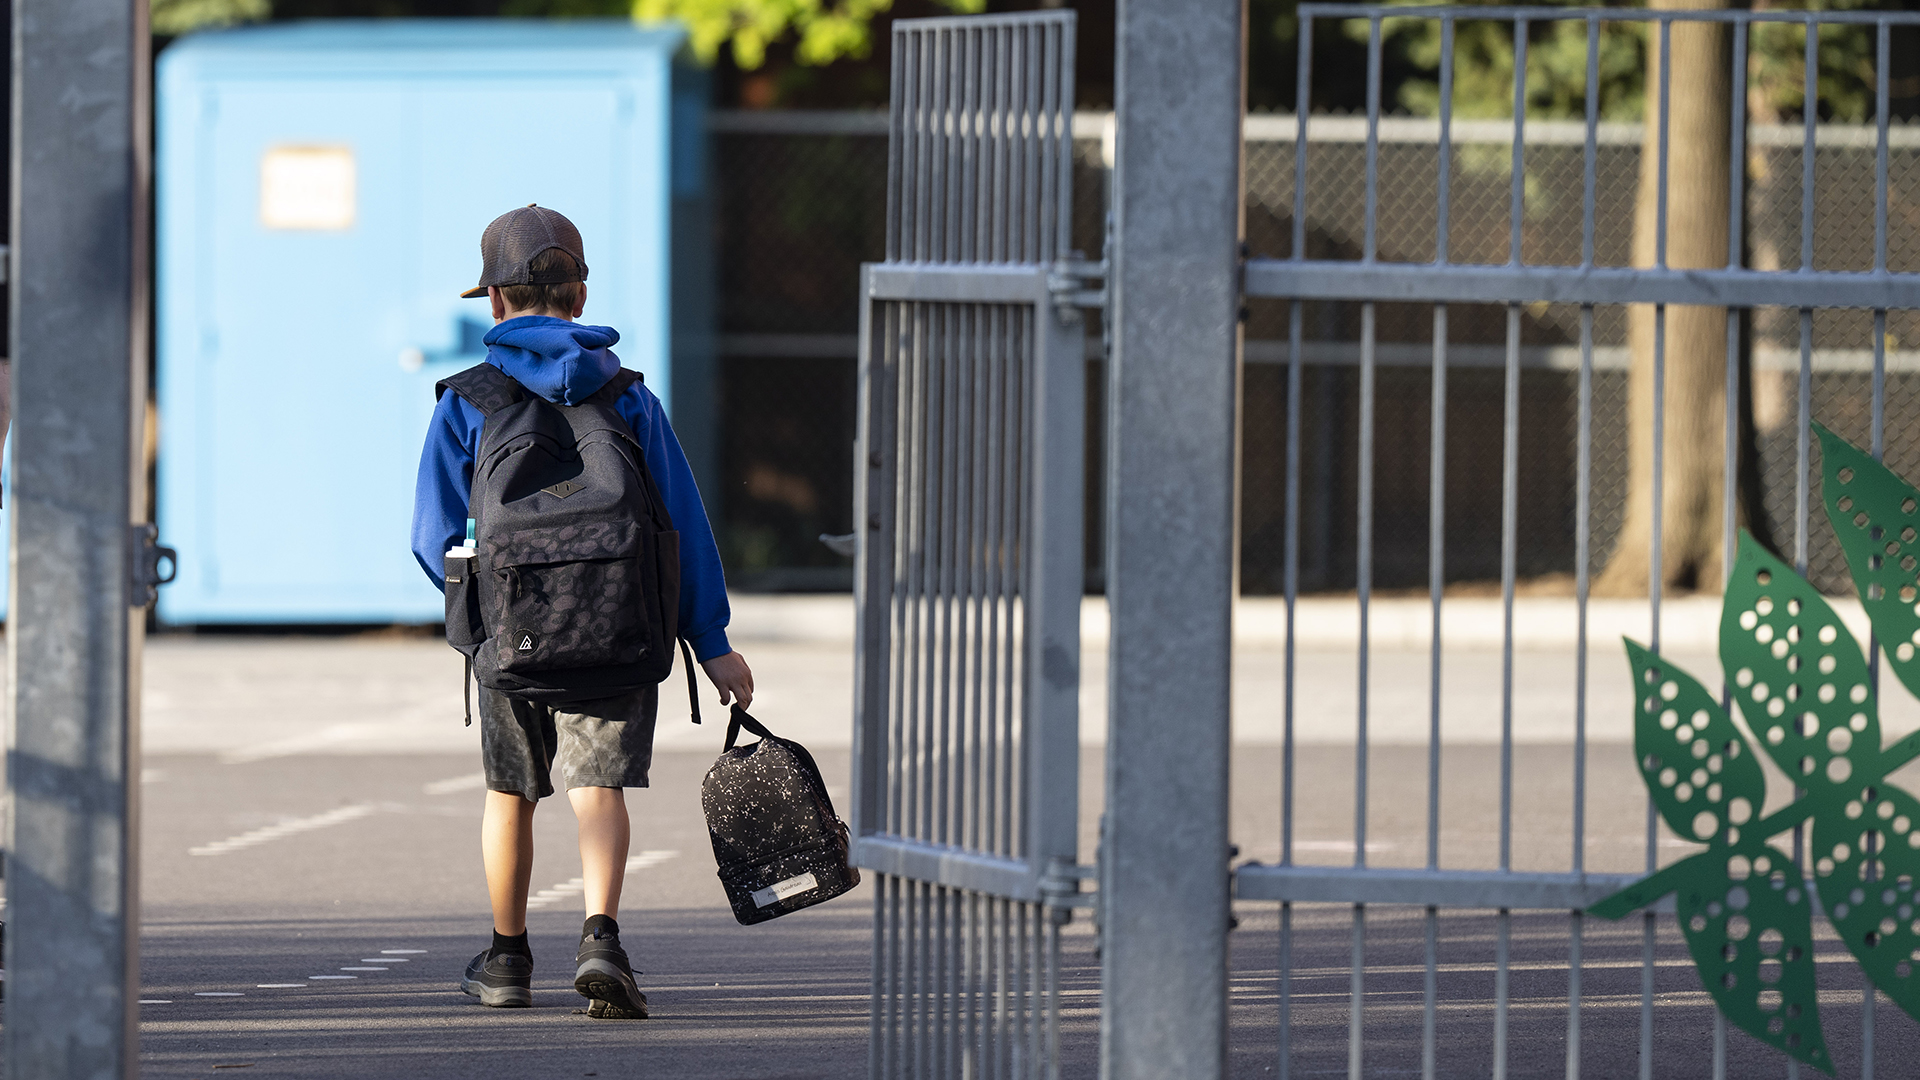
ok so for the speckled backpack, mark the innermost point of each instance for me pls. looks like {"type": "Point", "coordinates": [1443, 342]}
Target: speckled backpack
{"type": "Point", "coordinates": [574, 593]}
{"type": "Point", "coordinates": [778, 842]}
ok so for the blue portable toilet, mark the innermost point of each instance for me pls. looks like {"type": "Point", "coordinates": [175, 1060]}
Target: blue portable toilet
{"type": "Point", "coordinates": [321, 190]}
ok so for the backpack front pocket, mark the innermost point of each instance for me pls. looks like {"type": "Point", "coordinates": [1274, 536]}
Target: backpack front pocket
{"type": "Point", "coordinates": [568, 596]}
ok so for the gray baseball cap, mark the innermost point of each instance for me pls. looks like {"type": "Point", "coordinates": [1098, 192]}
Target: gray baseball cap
{"type": "Point", "coordinates": [508, 248]}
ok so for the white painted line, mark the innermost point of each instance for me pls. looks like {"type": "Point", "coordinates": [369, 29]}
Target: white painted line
{"type": "Point", "coordinates": [333, 976]}
{"type": "Point", "coordinates": [401, 952]}
{"type": "Point", "coordinates": [156, 1001]}
{"type": "Point", "coordinates": [218, 993]}
{"type": "Point", "coordinates": [649, 858]}
{"type": "Point", "coordinates": [290, 827]}
{"type": "Point", "coordinates": [363, 969]}
{"type": "Point", "coordinates": [458, 783]}
{"type": "Point", "coordinates": [576, 886]}
{"type": "Point", "coordinates": [277, 986]}
{"type": "Point", "coordinates": [383, 960]}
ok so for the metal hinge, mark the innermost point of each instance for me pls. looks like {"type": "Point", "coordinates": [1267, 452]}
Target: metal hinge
{"type": "Point", "coordinates": [1060, 889]}
{"type": "Point", "coordinates": [1077, 283]}
{"type": "Point", "coordinates": [147, 555]}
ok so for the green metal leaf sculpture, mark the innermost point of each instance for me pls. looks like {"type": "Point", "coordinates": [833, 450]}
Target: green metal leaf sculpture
{"type": "Point", "coordinates": [1748, 925]}
{"type": "Point", "coordinates": [1704, 779]}
{"type": "Point", "coordinates": [1876, 516]}
{"type": "Point", "coordinates": [1864, 863]}
{"type": "Point", "coordinates": [1799, 677]}
{"type": "Point", "coordinates": [1807, 694]}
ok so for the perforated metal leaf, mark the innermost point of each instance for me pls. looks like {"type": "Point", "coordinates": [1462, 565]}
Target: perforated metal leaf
{"type": "Point", "coordinates": [1865, 859]}
{"type": "Point", "coordinates": [1799, 676]}
{"type": "Point", "coordinates": [1876, 515]}
{"type": "Point", "coordinates": [1749, 926]}
{"type": "Point", "coordinates": [1702, 774]}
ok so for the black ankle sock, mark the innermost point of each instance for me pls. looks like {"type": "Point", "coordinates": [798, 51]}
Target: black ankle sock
{"type": "Point", "coordinates": [515, 944]}
{"type": "Point", "coordinates": [600, 926]}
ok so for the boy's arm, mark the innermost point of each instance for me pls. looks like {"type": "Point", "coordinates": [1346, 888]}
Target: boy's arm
{"type": "Point", "coordinates": [704, 612]}
{"type": "Point", "coordinates": [446, 478]}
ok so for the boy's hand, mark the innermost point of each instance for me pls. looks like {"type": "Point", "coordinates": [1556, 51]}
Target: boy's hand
{"type": "Point", "coordinates": [731, 676]}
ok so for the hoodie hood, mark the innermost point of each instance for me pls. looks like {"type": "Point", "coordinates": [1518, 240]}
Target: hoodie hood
{"type": "Point", "coordinates": [564, 362]}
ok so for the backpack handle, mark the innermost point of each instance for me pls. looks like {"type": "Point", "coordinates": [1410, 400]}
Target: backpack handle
{"type": "Point", "coordinates": [742, 720]}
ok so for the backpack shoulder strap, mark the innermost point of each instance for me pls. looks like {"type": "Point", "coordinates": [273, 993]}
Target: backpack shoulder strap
{"type": "Point", "coordinates": [484, 386]}
{"type": "Point", "coordinates": [615, 387]}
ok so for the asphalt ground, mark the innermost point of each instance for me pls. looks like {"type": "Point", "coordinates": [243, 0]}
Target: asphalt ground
{"type": "Point", "coordinates": [332, 796]}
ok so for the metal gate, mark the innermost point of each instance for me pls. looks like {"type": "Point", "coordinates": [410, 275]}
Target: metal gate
{"type": "Point", "coordinates": [969, 565]}
{"type": "Point", "coordinates": [1369, 281]}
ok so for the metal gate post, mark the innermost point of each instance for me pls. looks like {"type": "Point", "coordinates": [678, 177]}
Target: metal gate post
{"type": "Point", "coordinates": [79, 318]}
{"type": "Point", "coordinates": [1174, 395]}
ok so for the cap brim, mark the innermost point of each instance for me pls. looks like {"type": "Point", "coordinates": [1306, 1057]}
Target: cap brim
{"type": "Point", "coordinates": [474, 293]}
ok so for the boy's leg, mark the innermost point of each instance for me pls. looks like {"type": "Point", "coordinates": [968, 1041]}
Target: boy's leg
{"type": "Point", "coordinates": [605, 835]}
{"type": "Point", "coordinates": [506, 847]}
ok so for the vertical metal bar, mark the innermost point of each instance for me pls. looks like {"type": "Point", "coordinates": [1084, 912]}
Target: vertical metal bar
{"type": "Point", "coordinates": [951, 450]}
{"type": "Point", "coordinates": [1063, 199]}
{"type": "Point", "coordinates": [1801, 461]}
{"type": "Point", "coordinates": [1056, 578]}
{"type": "Point", "coordinates": [1666, 133]}
{"type": "Point", "coordinates": [967, 115]}
{"type": "Point", "coordinates": [1173, 439]}
{"type": "Point", "coordinates": [1574, 949]}
{"type": "Point", "coordinates": [940, 118]}
{"type": "Point", "coordinates": [1436, 570]}
{"type": "Point", "coordinates": [1810, 118]}
{"type": "Point", "coordinates": [1291, 582]}
{"type": "Point", "coordinates": [922, 176]}
{"type": "Point", "coordinates": [1443, 204]}
{"type": "Point", "coordinates": [1509, 545]}
{"type": "Point", "coordinates": [1502, 942]}
{"type": "Point", "coordinates": [75, 624]}
{"type": "Point", "coordinates": [1356, 995]}
{"type": "Point", "coordinates": [1582, 575]}
{"type": "Point", "coordinates": [877, 1065]}
{"type": "Point", "coordinates": [1001, 247]}
{"type": "Point", "coordinates": [1363, 557]}
{"type": "Point", "coordinates": [995, 786]}
{"type": "Point", "coordinates": [1429, 1002]}
{"type": "Point", "coordinates": [1517, 200]}
{"type": "Point", "coordinates": [1302, 98]}
{"type": "Point", "coordinates": [1370, 245]}
{"type": "Point", "coordinates": [1034, 151]}
{"type": "Point", "coordinates": [1590, 144]}
{"type": "Point", "coordinates": [1719, 1045]}
{"type": "Point", "coordinates": [1881, 107]}
{"type": "Point", "coordinates": [899, 132]}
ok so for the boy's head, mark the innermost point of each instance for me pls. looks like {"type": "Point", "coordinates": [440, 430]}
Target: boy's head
{"type": "Point", "coordinates": [532, 263]}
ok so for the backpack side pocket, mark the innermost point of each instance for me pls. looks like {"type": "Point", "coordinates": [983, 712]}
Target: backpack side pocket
{"type": "Point", "coordinates": [465, 628]}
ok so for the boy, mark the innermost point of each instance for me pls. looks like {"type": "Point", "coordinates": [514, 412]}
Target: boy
{"type": "Point", "coordinates": [534, 276]}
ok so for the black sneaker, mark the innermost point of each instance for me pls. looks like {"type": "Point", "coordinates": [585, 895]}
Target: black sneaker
{"type": "Point", "coordinates": [504, 981]}
{"type": "Point", "coordinates": [605, 977]}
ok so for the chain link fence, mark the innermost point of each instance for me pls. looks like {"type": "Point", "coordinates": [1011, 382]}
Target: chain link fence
{"type": "Point", "coordinates": [800, 204]}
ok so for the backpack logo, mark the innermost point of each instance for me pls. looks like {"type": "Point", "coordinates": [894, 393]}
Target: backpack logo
{"type": "Point", "coordinates": [564, 488]}
{"type": "Point", "coordinates": [524, 641]}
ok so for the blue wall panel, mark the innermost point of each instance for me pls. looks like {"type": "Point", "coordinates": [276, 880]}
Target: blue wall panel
{"type": "Point", "coordinates": [296, 365]}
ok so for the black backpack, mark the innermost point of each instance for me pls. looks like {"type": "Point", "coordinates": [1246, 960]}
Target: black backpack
{"type": "Point", "coordinates": [778, 842]}
{"type": "Point", "coordinates": [574, 589]}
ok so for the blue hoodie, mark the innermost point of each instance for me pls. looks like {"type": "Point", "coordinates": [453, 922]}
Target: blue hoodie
{"type": "Point", "coordinates": [566, 363]}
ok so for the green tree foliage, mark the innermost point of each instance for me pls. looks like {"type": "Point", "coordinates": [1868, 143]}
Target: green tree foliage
{"type": "Point", "coordinates": [180, 16]}
{"type": "Point", "coordinates": [825, 30]}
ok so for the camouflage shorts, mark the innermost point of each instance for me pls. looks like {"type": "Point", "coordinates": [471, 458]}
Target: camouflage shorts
{"type": "Point", "coordinates": [604, 743]}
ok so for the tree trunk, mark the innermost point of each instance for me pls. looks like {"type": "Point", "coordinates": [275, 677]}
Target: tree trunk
{"type": "Point", "coordinates": [1696, 337]}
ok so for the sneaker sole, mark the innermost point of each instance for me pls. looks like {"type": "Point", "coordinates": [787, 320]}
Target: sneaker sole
{"type": "Point", "coordinates": [499, 997]}
{"type": "Point", "coordinates": [613, 994]}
